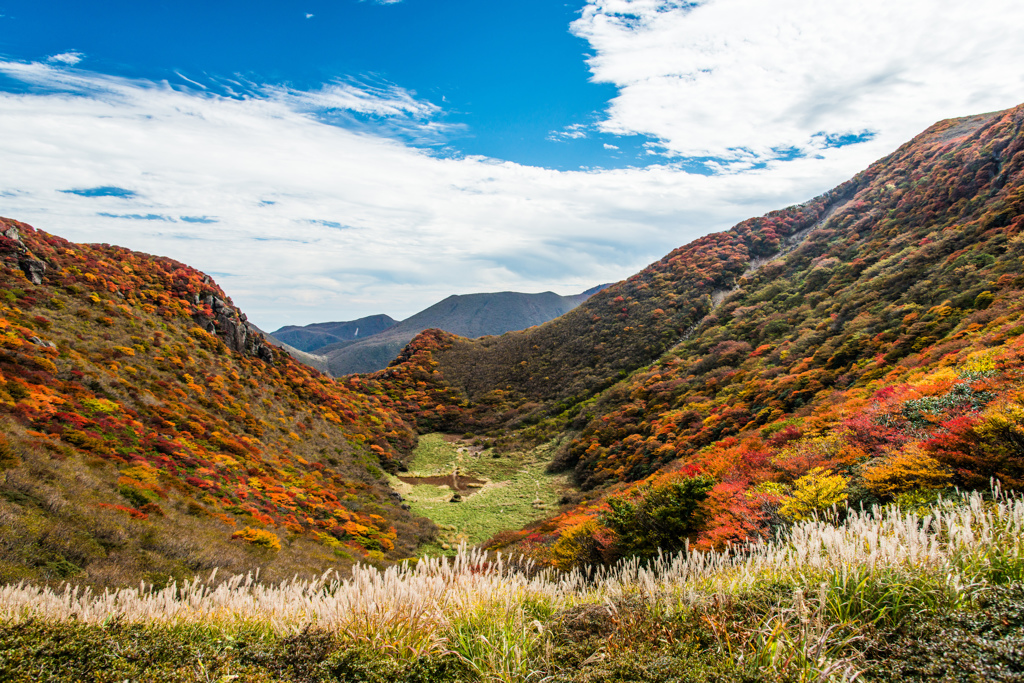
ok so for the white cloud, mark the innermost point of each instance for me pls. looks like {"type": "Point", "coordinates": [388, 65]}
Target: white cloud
{"type": "Point", "coordinates": [376, 100]}
{"type": "Point", "coordinates": [743, 80]}
{"type": "Point", "coordinates": [309, 16]}
{"type": "Point", "coordinates": [303, 221]}
{"type": "Point", "coordinates": [66, 58]}
{"type": "Point", "coordinates": [574, 132]}
{"type": "Point", "coordinates": [607, 146]}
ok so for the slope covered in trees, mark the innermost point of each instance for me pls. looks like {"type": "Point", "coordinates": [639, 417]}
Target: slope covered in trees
{"type": "Point", "coordinates": [147, 430]}
{"type": "Point", "coordinates": [862, 347]}
{"type": "Point", "coordinates": [856, 348]}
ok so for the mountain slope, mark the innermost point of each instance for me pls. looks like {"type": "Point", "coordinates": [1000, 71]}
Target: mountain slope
{"type": "Point", "coordinates": [147, 431]}
{"type": "Point", "coordinates": [467, 315]}
{"type": "Point", "coordinates": [309, 338]}
{"type": "Point", "coordinates": [873, 333]}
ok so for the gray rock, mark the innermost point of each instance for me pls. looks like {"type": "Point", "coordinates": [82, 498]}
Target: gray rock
{"type": "Point", "coordinates": [42, 342]}
{"type": "Point", "coordinates": [233, 330]}
{"type": "Point", "coordinates": [33, 269]}
{"type": "Point", "coordinates": [12, 233]}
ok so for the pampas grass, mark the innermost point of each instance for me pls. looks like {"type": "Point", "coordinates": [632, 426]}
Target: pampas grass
{"type": "Point", "coordinates": [875, 567]}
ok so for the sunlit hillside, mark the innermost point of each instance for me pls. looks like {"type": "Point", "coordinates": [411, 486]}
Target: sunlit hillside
{"type": "Point", "coordinates": [860, 347]}
{"type": "Point", "coordinates": [148, 432]}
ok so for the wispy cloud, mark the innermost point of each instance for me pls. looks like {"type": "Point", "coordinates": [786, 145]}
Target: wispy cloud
{"type": "Point", "coordinates": [66, 58]}
{"type": "Point", "coordinates": [374, 100]}
{"type": "Point", "coordinates": [575, 131]}
{"type": "Point", "coordinates": [745, 80]}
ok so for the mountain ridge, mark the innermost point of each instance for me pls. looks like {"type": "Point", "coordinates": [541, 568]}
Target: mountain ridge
{"type": "Point", "coordinates": [755, 355]}
{"type": "Point", "coordinates": [469, 315]}
{"type": "Point", "coordinates": [309, 338]}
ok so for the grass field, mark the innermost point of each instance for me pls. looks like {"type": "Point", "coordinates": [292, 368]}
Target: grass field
{"type": "Point", "coordinates": [882, 596]}
{"type": "Point", "coordinates": [516, 490]}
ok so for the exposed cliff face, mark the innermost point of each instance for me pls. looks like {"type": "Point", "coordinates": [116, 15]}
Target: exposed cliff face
{"type": "Point", "coordinates": [33, 268]}
{"type": "Point", "coordinates": [231, 325]}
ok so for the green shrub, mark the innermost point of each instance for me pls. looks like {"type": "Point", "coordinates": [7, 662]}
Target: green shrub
{"type": "Point", "coordinates": [661, 519]}
{"type": "Point", "coordinates": [980, 644]}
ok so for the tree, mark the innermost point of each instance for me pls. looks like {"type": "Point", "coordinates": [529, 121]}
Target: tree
{"type": "Point", "coordinates": [908, 469]}
{"type": "Point", "coordinates": [814, 492]}
{"type": "Point", "coordinates": [661, 517]}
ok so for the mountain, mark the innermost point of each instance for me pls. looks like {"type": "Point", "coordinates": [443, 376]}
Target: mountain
{"type": "Point", "coordinates": [147, 431]}
{"type": "Point", "coordinates": [866, 343]}
{"type": "Point", "coordinates": [862, 348]}
{"type": "Point", "coordinates": [309, 338]}
{"type": "Point", "coordinates": [468, 315]}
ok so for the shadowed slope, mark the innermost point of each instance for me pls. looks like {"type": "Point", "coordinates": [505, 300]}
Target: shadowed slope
{"type": "Point", "coordinates": [468, 315]}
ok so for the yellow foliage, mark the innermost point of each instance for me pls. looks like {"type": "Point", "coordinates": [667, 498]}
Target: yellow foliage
{"type": "Point", "coordinates": [143, 473]}
{"type": "Point", "coordinates": [814, 492]}
{"type": "Point", "coordinates": [824, 451]}
{"type": "Point", "coordinates": [259, 537]}
{"type": "Point", "coordinates": [575, 546]}
{"type": "Point", "coordinates": [330, 541]}
{"type": "Point", "coordinates": [1001, 421]}
{"type": "Point", "coordinates": [905, 470]}
{"type": "Point", "coordinates": [101, 405]}
{"type": "Point", "coordinates": [980, 363]}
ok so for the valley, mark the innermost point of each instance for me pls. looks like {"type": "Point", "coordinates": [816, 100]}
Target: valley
{"type": "Point", "coordinates": [497, 492]}
{"type": "Point", "coordinates": [790, 451]}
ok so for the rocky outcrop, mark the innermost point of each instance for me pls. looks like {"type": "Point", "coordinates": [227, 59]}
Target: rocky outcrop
{"type": "Point", "coordinates": [33, 269]}
{"type": "Point", "coordinates": [11, 243]}
{"type": "Point", "coordinates": [233, 328]}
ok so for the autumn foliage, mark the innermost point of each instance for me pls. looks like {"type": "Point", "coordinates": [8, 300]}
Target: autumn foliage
{"type": "Point", "coordinates": [143, 362]}
{"type": "Point", "coordinates": [871, 336]}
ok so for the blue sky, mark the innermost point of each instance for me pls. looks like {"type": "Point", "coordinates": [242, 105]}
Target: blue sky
{"type": "Point", "coordinates": [505, 75]}
{"type": "Point", "coordinates": [330, 159]}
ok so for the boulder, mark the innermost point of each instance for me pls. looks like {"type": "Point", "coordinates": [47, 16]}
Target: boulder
{"type": "Point", "coordinates": [33, 269]}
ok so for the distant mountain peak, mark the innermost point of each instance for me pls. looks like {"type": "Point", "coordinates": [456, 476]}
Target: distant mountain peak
{"type": "Point", "coordinates": [467, 315]}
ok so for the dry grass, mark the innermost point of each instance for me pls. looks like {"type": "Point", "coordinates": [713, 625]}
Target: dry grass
{"type": "Point", "coordinates": [873, 568]}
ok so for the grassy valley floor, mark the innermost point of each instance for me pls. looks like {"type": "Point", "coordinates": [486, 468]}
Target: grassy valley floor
{"type": "Point", "coordinates": [497, 492]}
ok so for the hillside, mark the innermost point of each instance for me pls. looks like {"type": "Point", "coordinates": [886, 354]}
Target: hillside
{"type": "Point", "coordinates": [867, 343]}
{"type": "Point", "coordinates": [467, 315]}
{"type": "Point", "coordinates": [147, 431]}
{"type": "Point", "coordinates": [862, 347]}
{"type": "Point", "coordinates": [311, 337]}
{"type": "Point", "coordinates": [840, 380]}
